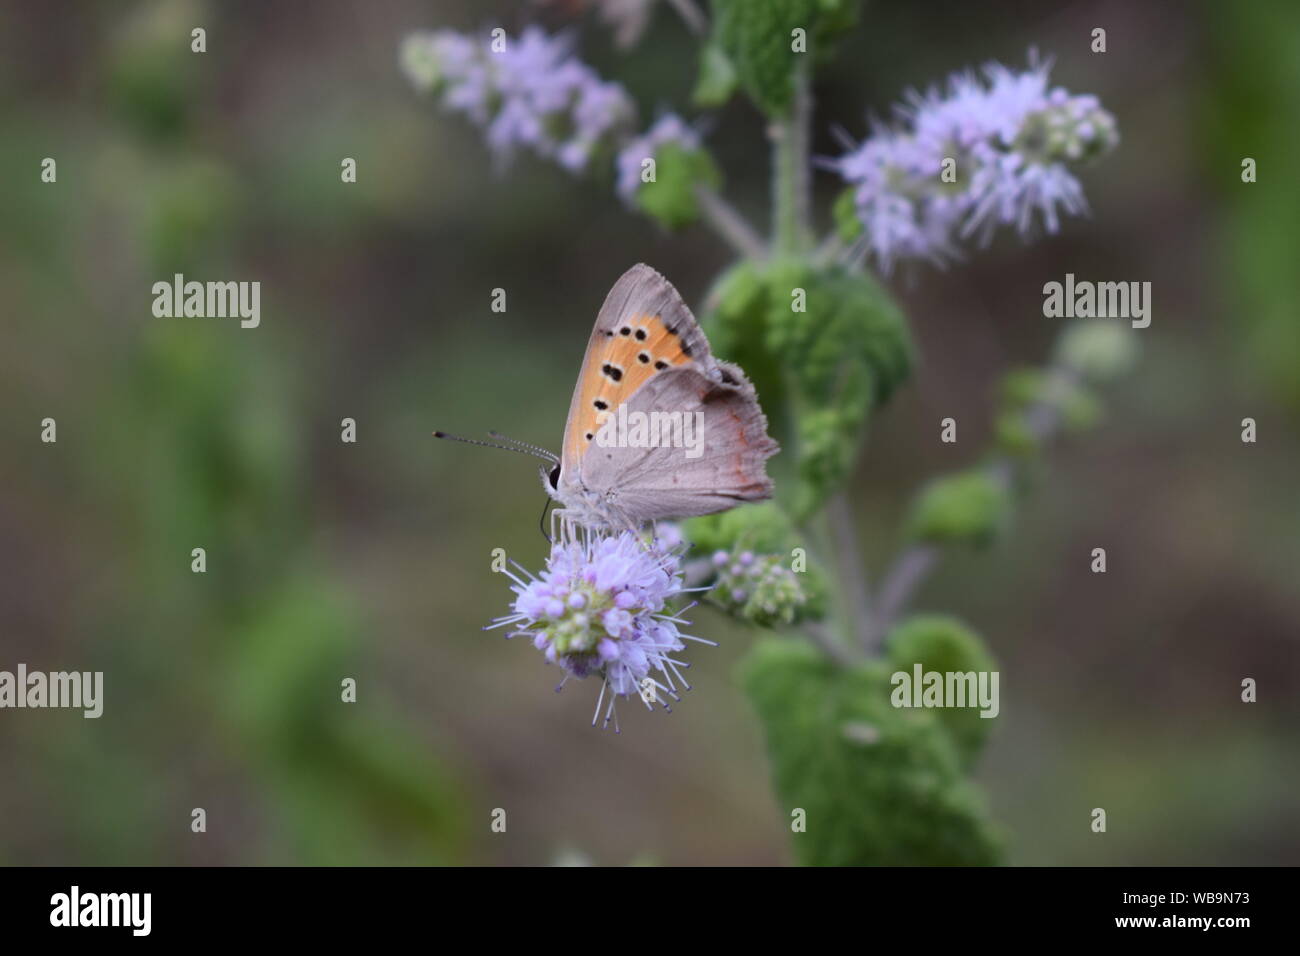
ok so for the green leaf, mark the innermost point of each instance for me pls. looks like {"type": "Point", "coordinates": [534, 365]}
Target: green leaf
{"type": "Point", "coordinates": [969, 507]}
{"type": "Point", "coordinates": [1012, 435]}
{"type": "Point", "coordinates": [758, 527]}
{"type": "Point", "coordinates": [670, 199]}
{"type": "Point", "coordinates": [823, 347]}
{"type": "Point", "coordinates": [845, 213]}
{"type": "Point", "coordinates": [946, 645]}
{"type": "Point", "coordinates": [717, 79]}
{"type": "Point", "coordinates": [757, 37]}
{"type": "Point", "coordinates": [878, 785]}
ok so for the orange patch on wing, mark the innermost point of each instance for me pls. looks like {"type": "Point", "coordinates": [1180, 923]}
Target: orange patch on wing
{"type": "Point", "coordinates": [622, 360]}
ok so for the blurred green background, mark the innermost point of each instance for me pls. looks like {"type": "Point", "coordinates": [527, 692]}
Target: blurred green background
{"type": "Point", "coordinates": [329, 560]}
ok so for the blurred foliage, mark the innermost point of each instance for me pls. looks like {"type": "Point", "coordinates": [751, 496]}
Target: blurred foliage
{"type": "Point", "coordinates": [152, 79]}
{"type": "Point", "coordinates": [200, 446]}
{"type": "Point", "coordinates": [1252, 82]}
{"type": "Point", "coordinates": [880, 785]}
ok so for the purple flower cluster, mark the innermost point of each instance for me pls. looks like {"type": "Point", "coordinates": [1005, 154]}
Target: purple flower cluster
{"type": "Point", "coordinates": [600, 608]}
{"type": "Point", "coordinates": [757, 587]}
{"type": "Point", "coordinates": [527, 91]}
{"type": "Point", "coordinates": [1009, 140]}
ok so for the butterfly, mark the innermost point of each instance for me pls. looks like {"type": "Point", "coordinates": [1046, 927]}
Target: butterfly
{"type": "Point", "coordinates": [658, 428]}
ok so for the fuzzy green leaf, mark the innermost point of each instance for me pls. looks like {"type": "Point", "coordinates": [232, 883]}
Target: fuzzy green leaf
{"type": "Point", "coordinates": [757, 36]}
{"type": "Point", "coordinates": [946, 645]}
{"type": "Point", "coordinates": [822, 345]}
{"type": "Point", "coordinates": [670, 199]}
{"type": "Point", "coordinates": [845, 213]}
{"type": "Point", "coordinates": [879, 785]}
{"type": "Point", "coordinates": [717, 79]}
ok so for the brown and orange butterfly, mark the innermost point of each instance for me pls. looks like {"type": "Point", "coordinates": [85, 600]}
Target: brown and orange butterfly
{"type": "Point", "coordinates": [647, 360]}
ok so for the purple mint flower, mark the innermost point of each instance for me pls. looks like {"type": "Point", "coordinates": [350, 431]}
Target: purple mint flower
{"type": "Point", "coordinates": [598, 609]}
{"type": "Point", "coordinates": [758, 588]}
{"type": "Point", "coordinates": [530, 94]}
{"type": "Point", "coordinates": [668, 129]}
{"type": "Point", "coordinates": [1014, 140]}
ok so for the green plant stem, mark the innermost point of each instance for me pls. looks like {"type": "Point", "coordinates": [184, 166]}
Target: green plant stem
{"type": "Point", "coordinates": [729, 224]}
{"type": "Point", "coordinates": [827, 643]}
{"type": "Point", "coordinates": [901, 581]}
{"type": "Point", "coordinates": [829, 250]}
{"type": "Point", "coordinates": [791, 200]}
{"type": "Point", "coordinates": [851, 572]}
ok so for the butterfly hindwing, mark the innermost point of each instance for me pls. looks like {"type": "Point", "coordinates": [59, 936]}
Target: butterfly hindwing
{"type": "Point", "coordinates": [648, 353]}
{"type": "Point", "coordinates": [721, 467]}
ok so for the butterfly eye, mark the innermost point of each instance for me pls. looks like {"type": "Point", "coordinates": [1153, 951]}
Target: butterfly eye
{"type": "Point", "coordinates": [555, 477]}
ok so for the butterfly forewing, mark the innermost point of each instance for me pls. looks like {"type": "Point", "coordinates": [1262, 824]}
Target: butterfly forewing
{"type": "Point", "coordinates": [643, 328]}
{"type": "Point", "coordinates": [648, 353]}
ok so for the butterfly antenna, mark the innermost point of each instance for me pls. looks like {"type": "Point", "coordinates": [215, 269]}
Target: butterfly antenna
{"type": "Point", "coordinates": [535, 452]}
{"type": "Point", "coordinates": [535, 449]}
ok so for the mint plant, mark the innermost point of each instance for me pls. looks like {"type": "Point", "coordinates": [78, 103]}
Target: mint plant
{"type": "Point", "coordinates": [808, 319]}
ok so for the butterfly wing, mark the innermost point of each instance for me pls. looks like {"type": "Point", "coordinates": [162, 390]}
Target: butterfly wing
{"type": "Point", "coordinates": [648, 352]}
{"type": "Point", "coordinates": [722, 467]}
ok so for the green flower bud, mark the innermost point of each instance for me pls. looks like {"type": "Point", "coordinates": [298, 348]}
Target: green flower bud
{"type": "Point", "coordinates": [969, 507]}
{"type": "Point", "coordinates": [758, 588]}
{"type": "Point", "coordinates": [762, 572]}
{"type": "Point", "coordinates": [1098, 350]}
{"type": "Point", "coordinates": [1012, 436]}
{"type": "Point", "coordinates": [418, 60]}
